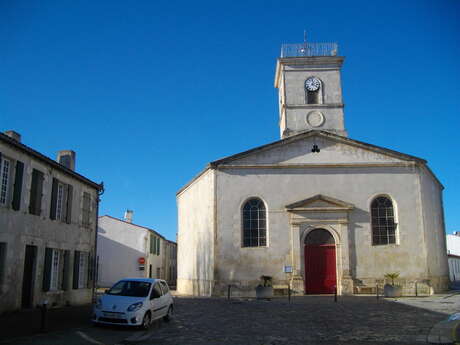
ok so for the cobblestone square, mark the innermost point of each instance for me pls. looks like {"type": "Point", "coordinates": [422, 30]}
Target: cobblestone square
{"type": "Point", "coordinates": [353, 320]}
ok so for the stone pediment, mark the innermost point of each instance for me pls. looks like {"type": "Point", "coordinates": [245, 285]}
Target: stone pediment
{"type": "Point", "coordinates": [335, 150]}
{"type": "Point", "coordinates": [320, 203]}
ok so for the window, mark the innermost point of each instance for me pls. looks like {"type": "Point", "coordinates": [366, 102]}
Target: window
{"type": "Point", "coordinates": [154, 245]}
{"type": "Point", "coordinates": [80, 270]}
{"type": "Point", "coordinates": [156, 291]}
{"type": "Point", "coordinates": [4, 180]}
{"type": "Point", "coordinates": [36, 189]}
{"type": "Point", "coordinates": [61, 201]}
{"type": "Point", "coordinates": [383, 221]}
{"type": "Point", "coordinates": [86, 210]}
{"type": "Point", "coordinates": [254, 223]}
{"type": "Point", "coordinates": [82, 281]}
{"type": "Point", "coordinates": [54, 269]}
{"type": "Point", "coordinates": [164, 287]}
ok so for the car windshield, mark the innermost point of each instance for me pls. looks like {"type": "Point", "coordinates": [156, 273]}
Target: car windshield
{"type": "Point", "coordinates": [130, 288]}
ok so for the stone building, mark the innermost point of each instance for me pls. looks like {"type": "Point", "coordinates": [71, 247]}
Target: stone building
{"type": "Point", "coordinates": [316, 210]}
{"type": "Point", "coordinates": [48, 216]}
{"type": "Point", "coordinates": [125, 249]}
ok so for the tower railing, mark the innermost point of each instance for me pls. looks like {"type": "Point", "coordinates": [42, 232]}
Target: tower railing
{"type": "Point", "coordinates": [309, 49]}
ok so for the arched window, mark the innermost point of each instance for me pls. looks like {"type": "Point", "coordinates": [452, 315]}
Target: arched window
{"type": "Point", "coordinates": [383, 221]}
{"type": "Point", "coordinates": [254, 223]}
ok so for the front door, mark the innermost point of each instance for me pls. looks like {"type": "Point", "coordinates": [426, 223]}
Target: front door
{"type": "Point", "coordinates": [320, 263]}
{"type": "Point", "coordinates": [28, 276]}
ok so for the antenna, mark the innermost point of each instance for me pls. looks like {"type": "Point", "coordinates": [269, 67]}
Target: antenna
{"type": "Point", "coordinates": [303, 49]}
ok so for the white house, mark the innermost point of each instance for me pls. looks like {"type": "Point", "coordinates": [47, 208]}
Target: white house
{"type": "Point", "coordinates": [453, 256]}
{"type": "Point", "coordinates": [125, 249]}
{"type": "Point", "coordinates": [48, 216]}
{"type": "Point", "coordinates": [316, 210]}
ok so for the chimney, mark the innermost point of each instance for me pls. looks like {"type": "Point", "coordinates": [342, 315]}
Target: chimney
{"type": "Point", "coordinates": [129, 216]}
{"type": "Point", "coordinates": [67, 158]}
{"type": "Point", "coordinates": [14, 135]}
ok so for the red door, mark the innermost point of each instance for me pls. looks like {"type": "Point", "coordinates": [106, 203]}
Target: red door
{"type": "Point", "coordinates": [320, 272]}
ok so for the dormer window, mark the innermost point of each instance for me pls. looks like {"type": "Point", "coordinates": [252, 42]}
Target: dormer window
{"type": "Point", "coordinates": [313, 91]}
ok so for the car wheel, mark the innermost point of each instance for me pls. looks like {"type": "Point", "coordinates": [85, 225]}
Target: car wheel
{"type": "Point", "coordinates": [169, 315]}
{"type": "Point", "coordinates": [146, 321]}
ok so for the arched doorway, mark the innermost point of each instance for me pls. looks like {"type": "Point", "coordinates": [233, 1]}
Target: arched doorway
{"type": "Point", "coordinates": [320, 262]}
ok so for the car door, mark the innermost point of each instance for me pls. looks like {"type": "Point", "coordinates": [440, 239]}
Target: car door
{"type": "Point", "coordinates": [156, 301]}
{"type": "Point", "coordinates": [166, 295]}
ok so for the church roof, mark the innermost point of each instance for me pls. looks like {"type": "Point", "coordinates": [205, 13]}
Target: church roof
{"type": "Point", "coordinates": [309, 134]}
{"type": "Point", "coordinates": [320, 133]}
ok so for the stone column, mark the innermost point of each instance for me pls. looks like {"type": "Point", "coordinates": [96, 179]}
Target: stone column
{"type": "Point", "coordinates": [296, 283]}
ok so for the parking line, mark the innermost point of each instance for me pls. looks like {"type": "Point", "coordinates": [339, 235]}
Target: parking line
{"type": "Point", "coordinates": [88, 338]}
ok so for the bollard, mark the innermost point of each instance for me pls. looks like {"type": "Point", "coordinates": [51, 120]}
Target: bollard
{"type": "Point", "coordinates": [416, 289]}
{"type": "Point", "coordinates": [335, 294]}
{"type": "Point", "coordinates": [228, 292]}
{"type": "Point", "coordinates": [289, 294]}
{"type": "Point", "coordinates": [43, 309]}
{"type": "Point", "coordinates": [377, 290]}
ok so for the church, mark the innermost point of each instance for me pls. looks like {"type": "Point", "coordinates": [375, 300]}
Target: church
{"type": "Point", "coordinates": [316, 211]}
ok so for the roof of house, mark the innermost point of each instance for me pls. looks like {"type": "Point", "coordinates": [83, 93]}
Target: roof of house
{"type": "Point", "coordinates": [28, 150]}
{"type": "Point", "coordinates": [338, 138]}
{"type": "Point", "coordinates": [139, 226]}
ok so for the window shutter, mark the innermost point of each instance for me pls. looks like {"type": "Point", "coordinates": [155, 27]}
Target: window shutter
{"type": "Point", "coordinates": [90, 270]}
{"type": "Point", "coordinates": [16, 203]}
{"type": "Point", "coordinates": [54, 190]}
{"type": "Point", "coordinates": [65, 271]}
{"type": "Point", "coordinates": [33, 192]}
{"type": "Point", "coordinates": [47, 272]}
{"type": "Point", "coordinates": [36, 189]}
{"type": "Point", "coordinates": [158, 246]}
{"type": "Point", "coordinates": [76, 269]}
{"type": "Point", "coordinates": [69, 204]}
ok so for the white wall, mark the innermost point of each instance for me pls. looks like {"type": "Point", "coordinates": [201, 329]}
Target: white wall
{"type": "Point", "coordinates": [119, 246]}
{"type": "Point", "coordinates": [195, 247]}
{"type": "Point", "coordinates": [279, 187]}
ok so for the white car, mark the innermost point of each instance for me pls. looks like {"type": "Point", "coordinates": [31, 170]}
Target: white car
{"type": "Point", "coordinates": [134, 302]}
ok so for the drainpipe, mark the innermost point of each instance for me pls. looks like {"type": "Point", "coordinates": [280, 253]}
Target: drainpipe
{"type": "Point", "coordinates": [100, 191]}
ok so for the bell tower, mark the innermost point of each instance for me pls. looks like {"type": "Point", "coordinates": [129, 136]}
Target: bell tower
{"type": "Point", "coordinates": [310, 94]}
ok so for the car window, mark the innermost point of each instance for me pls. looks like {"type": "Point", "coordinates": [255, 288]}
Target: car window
{"type": "Point", "coordinates": [165, 287]}
{"type": "Point", "coordinates": [130, 288]}
{"type": "Point", "coordinates": [156, 291]}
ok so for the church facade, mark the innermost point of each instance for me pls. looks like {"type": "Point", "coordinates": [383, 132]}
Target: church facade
{"type": "Point", "coordinates": [316, 210]}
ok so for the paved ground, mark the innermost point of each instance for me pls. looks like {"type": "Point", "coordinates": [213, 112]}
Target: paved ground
{"type": "Point", "coordinates": [214, 321]}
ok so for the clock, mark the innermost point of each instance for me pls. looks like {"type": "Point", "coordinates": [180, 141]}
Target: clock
{"type": "Point", "coordinates": [312, 84]}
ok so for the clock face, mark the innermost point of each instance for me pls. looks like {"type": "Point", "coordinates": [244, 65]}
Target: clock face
{"type": "Point", "coordinates": [312, 84]}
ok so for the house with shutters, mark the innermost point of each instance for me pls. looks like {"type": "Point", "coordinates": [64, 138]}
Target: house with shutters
{"type": "Point", "coordinates": [125, 249]}
{"type": "Point", "coordinates": [48, 221]}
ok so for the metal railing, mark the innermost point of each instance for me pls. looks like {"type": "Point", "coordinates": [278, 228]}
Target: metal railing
{"type": "Point", "coordinates": [309, 49]}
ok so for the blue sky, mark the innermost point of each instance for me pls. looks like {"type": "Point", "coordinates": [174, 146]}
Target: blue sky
{"type": "Point", "coordinates": [148, 92]}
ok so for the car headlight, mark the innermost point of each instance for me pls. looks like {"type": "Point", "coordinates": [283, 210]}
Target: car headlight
{"type": "Point", "coordinates": [135, 306]}
{"type": "Point", "coordinates": [98, 304]}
